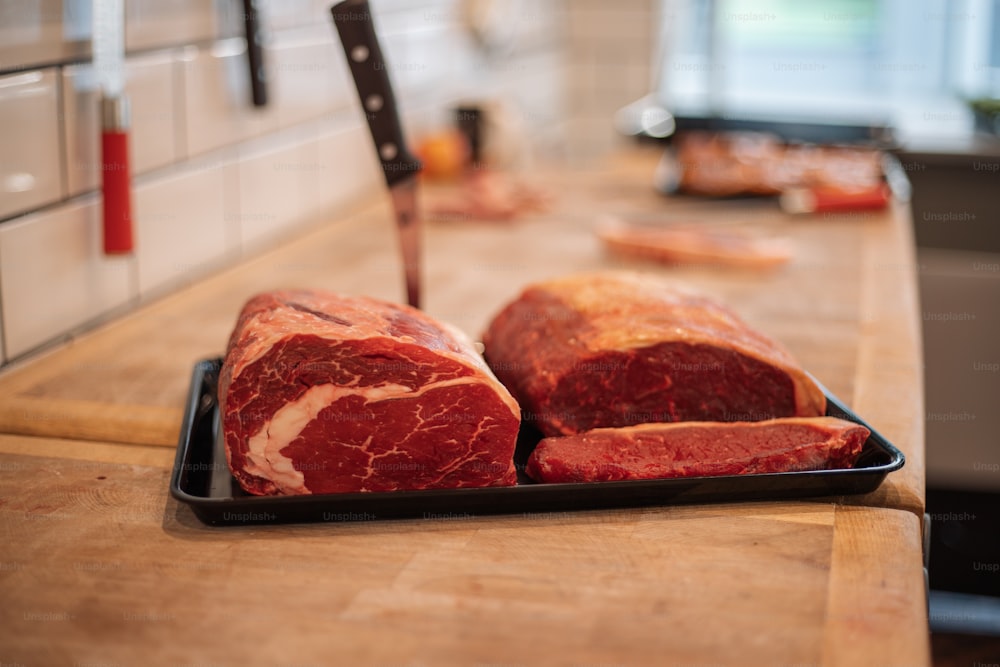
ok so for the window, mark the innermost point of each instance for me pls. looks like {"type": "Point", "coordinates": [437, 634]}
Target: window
{"type": "Point", "coordinates": [909, 63]}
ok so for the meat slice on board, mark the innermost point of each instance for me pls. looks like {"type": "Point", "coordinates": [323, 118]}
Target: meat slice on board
{"type": "Point", "coordinates": [694, 449]}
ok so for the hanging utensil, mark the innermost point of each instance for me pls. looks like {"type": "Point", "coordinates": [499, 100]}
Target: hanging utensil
{"type": "Point", "coordinates": [357, 35]}
{"type": "Point", "coordinates": [109, 64]}
{"type": "Point", "coordinates": [255, 53]}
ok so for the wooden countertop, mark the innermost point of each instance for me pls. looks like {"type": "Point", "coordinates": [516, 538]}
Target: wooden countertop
{"type": "Point", "coordinates": [99, 564]}
{"type": "Point", "coordinates": [846, 306]}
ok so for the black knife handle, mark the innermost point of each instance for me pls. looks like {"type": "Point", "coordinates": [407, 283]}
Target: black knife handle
{"type": "Point", "coordinates": [353, 19]}
{"type": "Point", "coordinates": [255, 53]}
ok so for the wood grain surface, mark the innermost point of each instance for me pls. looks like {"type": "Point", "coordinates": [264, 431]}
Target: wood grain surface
{"type": "Point", "coordinates": [99, 566]}
{"type": "Point", "coordinates": [846, 306]}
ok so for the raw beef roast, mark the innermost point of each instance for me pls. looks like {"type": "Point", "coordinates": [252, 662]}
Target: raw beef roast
{"type": "Point", "coordinates": [607, 350]}
{"type": "Point", "coordinates": [691, 449]}
{"type": "Point", "coordinates": [322, 393]}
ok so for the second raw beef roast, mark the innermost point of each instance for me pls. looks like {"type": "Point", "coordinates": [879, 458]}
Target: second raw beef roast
{"type": "Point", "coordinates": [617, 349]}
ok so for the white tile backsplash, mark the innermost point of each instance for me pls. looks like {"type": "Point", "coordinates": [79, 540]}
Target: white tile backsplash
{"type": "Point", "coordinates": [347, 169]}
{"type": "Point", "coordinates": [308, 80]}
{"type": "Point", "coordinates": [217, 109]}
{"type": "Point", "coordinates": [153, 136]}
{"type": "Point", "coordinates": [81, 127]}
{"type": "Point", "coordinates": [277, 192]}
{"type": "Point", "coordinates": [181, 225]}
{"type": "Point", "coordinates": [284, 14]}
{"type": "Point", "coordinates": [608, 49]}
{"type": "Point", "coordinates": [154, 23]}
{"type": "Point", "coordinates": [54, 276]}
{"type": "Point", "coordinates": [150, 82]}
{"type": "Point", "coordinates": [30, 164]}
{"type": "Point", "coordinates": [43, 31]}
{"type": "Point", "coordinates": [214, 177]}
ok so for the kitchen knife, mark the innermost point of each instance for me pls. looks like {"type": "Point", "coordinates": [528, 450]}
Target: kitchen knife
{"type": "Point", "coordinates": [109, 64]}
{"type": "Point", "coordinates": [364, 56]}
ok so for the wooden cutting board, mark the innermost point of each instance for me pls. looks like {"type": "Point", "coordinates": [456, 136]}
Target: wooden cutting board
{"type": "Point", "coordinates": [100, 566]}
{"type": "Point", "coordinates": [846, 306]}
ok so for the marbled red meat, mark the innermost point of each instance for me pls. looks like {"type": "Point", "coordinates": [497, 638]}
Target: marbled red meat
{"type": "Point", "coordinates": [612, 349]}
{"type": "Point", "coordinates": [693, 449]}
{"type": "Point", "coordinates": [323, 393]}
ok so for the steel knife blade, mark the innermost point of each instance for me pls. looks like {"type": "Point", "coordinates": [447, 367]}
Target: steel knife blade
{"type": "Point", "coordinates": [353, 20]}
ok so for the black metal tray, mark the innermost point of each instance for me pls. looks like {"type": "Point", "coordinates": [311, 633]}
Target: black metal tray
{"type": "Point", "coordinates": [793, 130]}
{"type": "Point", "coordinates": [201, 479]}
{"type": "Point", "coordinates": [789, 130]}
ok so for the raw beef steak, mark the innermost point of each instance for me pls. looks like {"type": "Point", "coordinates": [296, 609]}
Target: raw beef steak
{"type": "Point", "coordinates": [694, 449]}
{"type": "Point", "coordinates": [605, 350]}
{"type": "Point", "coordinates": [322, 393]}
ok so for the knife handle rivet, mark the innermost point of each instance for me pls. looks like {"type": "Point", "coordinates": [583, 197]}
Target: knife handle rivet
{"type": "Point", "coordinates": [359, 53]}
{"type": "Point", "coordinates": [388, 150]}
{"type": "Point", "coordinates": [374, 102]}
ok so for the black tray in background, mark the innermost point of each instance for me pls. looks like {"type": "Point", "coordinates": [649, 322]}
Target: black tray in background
{"type": "Point", "coordinates": [201, 479]}
{"type": "Point", "coordinates": [794, 130]}
{"type": "Point", "coordinates": [791, 130]}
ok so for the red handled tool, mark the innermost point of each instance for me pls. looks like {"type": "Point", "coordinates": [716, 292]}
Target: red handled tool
{"type": "Point", "coordinates": [835, 200]}
{"type": "Point", "coordinates": [116, 186]}
{"type": "Point", "coordinates": [116, 182]}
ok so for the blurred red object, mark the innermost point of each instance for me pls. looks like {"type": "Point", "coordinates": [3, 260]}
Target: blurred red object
{"type": "Point", "coordinates": [694, 244]}
{"type": "Point", "coordinates": [728, 164]}
{"type": "Point", "coordinates": [834, 200]}
{"type": "Point", "coordinates": [486, 195]}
